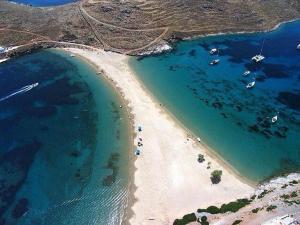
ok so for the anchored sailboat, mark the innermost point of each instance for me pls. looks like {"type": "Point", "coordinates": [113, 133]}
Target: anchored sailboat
{"type": "Point", "coordinates": [213, 51]}
{"type": "Point", "coordinates": [275, 118]}
{"type": "Point", "coordinates": [246, 73]}
{"type": "Point", "coordinates": [215, 61]}
{"type": "Point", "coordinates": [258, 58]}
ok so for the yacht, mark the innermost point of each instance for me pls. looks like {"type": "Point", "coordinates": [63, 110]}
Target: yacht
{"type": "Point", "coordinates": [214, 62]}
{"type": "Point", "coordinates": [258, 58]}
{"type": "Point", "coordinates": [213, 51]}
{"type": "Point", "coordinates": [298, 47]}
{"type": "Point", "coordinates": [246, 73]}
{"type": "Point", "coordinates": [250, 85]}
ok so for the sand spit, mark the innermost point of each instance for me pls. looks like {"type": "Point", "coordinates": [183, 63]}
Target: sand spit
{"type": "Point", "coordinates": [169, 180]}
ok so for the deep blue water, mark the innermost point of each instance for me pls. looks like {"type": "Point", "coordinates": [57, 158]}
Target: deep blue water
{"type": "Point", "coordinates": [44, 3]}
{"type": "Point", "coordinates": [214, 103]}
{"type": "Point", "coordinates": [63, 144]}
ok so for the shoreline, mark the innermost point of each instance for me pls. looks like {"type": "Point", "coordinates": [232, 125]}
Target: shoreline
{"type": "Point", "coordinates": [278, 25]}
{"type": "Point", "coordinates": [158, 47]}
{"type": "Point", "coordinates": [241, 188]}
{"type": "Point", "coordinates": [208, 150]}
{"type": "Point", "coordinates": [131, 186]}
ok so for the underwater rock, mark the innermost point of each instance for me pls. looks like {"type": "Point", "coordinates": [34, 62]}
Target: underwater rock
{"type": "Point", "coordinates": [20, 208]}
{"type": "Point", "coordinates": [290, 99]}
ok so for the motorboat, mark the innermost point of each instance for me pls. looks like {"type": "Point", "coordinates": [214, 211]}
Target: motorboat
{"type": "Point", "coordinates": [298, 47]}
{"type": "Point", "coordinates": [214, 62]}
{"type": "Point", "coordinates": [213, 51]}
{"type": "Point", "coordinates": [250, 85]}
{"type": "Point", "coordinates": [246, 73]}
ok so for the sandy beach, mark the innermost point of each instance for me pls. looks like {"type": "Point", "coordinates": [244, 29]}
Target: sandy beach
{"type": "Point", "coordinates": [169, 180]}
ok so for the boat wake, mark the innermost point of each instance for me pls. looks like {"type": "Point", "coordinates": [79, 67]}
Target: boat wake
{"type": "Point", "coordinates": [20, 91]}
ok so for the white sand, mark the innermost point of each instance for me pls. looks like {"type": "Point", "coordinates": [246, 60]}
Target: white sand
{"type": "Point", "coordinates": [170, 182]}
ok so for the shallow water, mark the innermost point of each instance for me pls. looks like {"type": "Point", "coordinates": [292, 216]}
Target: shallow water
{"type": "Point", "coordinates": [44, 3]}
{"type": "Point", "coordinates": [214, 103]}
{"type": "Point", "coordinates": [64, 143]}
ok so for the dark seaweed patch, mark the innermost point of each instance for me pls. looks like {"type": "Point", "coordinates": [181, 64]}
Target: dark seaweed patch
{"type": "Point", "coordinates": [290, 99]}
{"type": "Point", "coordinates": [112, 165]}
{"type": "Point", "coordinates": [275, 70]}
{"type": "Point", "coordinates": [260, 78]}
{"type": "Point", "coordinates": [20, 208]}
{"type": "Point", "coordinates": [193, 53]}
{"type": "Point", "coordinates": [17, 161]}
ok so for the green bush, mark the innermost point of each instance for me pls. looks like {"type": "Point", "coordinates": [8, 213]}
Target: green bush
{"type": "Point", "coordinates": [236, 222]}
{"type": "Point", "coordinates": [234, 206]}
{"type": "Point", "coordinates": [230, 207]}
{"type": "Point", "coordinates": [293, 182]}
{"type": "Point", "coordinates": [203, 219]}
{"type": "Point", "coordinates": [271, 207]}
{"type": "Point", "coordinates": [186, 219]}
{"type": "Point", "coordinates": [255, 210]}
{"type": "Point", "coordinates": [216, 176]}
{"type": "Point", "coordinates": [201, 158]}
{"type": "Point", "coordinates": [261, 195]}
{"type": "Point", "coordinates": [213, 210]}
{"type": "Point", "coordinates": [294, 194]}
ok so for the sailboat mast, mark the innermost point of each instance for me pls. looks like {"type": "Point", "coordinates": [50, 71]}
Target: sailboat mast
{"type": "Point", "coordinates": [262, 46]}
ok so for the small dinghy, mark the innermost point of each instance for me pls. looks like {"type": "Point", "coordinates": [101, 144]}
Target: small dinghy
{"type": "Point", "coordinates": [246, 73]}
{"type": "Point", "coordinates": [250, 85]}
{"type": "Point", "coordinates": [214, 62]}
{"type": "Point", "coordinates": [213, 51]}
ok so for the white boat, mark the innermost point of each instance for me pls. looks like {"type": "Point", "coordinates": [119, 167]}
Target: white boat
{"type": "Point", "coordinates": [213, 51]}
{"type": "Point", "coordinates": [258, 58]}
{"type": "Point", "coordinates": [246, 73]}
{"type": "Point", "coordinates": [28, 87]}
{"type": "Point", "coordinates": [214, 62]}
{"type": "Point", "coordinates": [198, 139]}
{"type": "Point", "coordinates": [3, 60]}
{"type": "Point", "coordinates": [298, 47]}
{"type": "Point", "coordinates": [21, 90]}
{"type": "Point", "coordinates": [72, 55]}
{"type": "Point", "coordinates": [250, 85]}
{"type": "Point", "coordinates": [274, 119]}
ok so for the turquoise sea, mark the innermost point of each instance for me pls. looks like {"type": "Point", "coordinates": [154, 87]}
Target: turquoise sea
{"type": "Point", "coordinates": [214, 103]}
{"type": "Point", "coordinates": [64, 143]}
